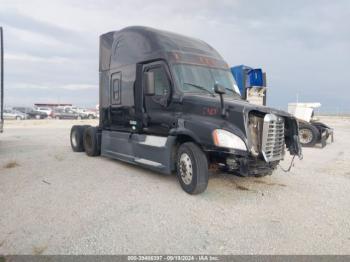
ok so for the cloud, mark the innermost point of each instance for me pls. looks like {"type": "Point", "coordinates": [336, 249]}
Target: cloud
{"type": "Point", "coordinates": [71, 87]}
{"type": "Point", "coordinates": [28, 23]}
{"type": "Point", "coordinates": [34, 59]}
{"type": "Point", "coordinates": [303, 46]}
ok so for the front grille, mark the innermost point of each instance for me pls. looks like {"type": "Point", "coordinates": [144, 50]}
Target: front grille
{"type": "Point", "coordinates": [273, 138]}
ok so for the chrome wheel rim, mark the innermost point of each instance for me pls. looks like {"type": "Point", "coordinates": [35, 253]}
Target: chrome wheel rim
{"type": "Point", "coordinates": [74, 139]}
{"type": "Point", "coordinates": [186, 169]}
{"type": "Point", "coordinates": [305, 136]}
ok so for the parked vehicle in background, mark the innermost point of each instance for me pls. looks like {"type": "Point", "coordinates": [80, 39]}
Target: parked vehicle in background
{"type": "Point", "coordinates": [10, 114]}
{"type": "Point", "coordinates": [60, 113]}
{"type": "Point", "coordinates": [311, 131]}
{"type": "Point", "coordinates": [251, 83]}
{"type": "Point", "coordinates": [31, 113]}
{"type": "Point", "coordinates": [46, 110]}
{"type": "Point", "coordinates": [86, 113]}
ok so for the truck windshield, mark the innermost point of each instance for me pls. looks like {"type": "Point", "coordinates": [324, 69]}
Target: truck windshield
{"type": "Point", "coordinates": [195, 79]}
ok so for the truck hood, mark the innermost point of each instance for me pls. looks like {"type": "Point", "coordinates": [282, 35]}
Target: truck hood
{"type": "Point", "coordinates": [231, 104]}
{"type": "Point", "coordinates": [237, 113]}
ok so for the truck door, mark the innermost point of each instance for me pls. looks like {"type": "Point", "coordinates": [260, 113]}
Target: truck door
{"type": "Point", "coordinates": [157, 106]}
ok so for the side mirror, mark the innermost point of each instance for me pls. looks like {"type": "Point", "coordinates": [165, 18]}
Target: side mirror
{"type": "Point", "coordinates": [219, 89]}
{"type": "Point", "coordinates": [149, 84]}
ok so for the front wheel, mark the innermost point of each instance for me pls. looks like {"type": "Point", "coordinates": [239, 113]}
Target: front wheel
{"type": "Point", "coordinates": [192, 168]}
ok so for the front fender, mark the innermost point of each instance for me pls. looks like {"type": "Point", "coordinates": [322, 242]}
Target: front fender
{"type": "Point", "coordinates": [186, 132]}
{"type": "Point", "coordinates": [200, 130]}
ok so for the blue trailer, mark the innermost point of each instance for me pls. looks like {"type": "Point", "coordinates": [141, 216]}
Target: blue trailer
{"type": "Point", "coordinates": [251, 83]}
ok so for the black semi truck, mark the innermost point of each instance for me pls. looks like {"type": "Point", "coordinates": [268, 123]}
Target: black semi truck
{"type": "Point", "coordinates": [169, 103]}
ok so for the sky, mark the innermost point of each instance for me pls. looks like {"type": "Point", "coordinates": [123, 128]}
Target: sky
{"type": "Point", "coordinates": [51, 47]}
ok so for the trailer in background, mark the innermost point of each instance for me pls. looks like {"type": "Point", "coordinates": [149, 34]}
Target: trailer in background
{"type": "Point", "coordinates": [311, 131]}
{"type": "Point", "coordinates": [1, 81]}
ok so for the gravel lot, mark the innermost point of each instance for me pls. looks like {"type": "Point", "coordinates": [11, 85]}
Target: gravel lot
{"type": "Point", "coordinates": [54, 201]}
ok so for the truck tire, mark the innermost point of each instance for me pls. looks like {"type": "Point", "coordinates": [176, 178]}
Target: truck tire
{"type": "Point", "coordinates": [308, 134]}
{"type": "Point", "coordinates": [192, 168]}
{"type": "Point", "coordinates": [76, 138]}
{"type": "Point", "coordinates": [92, 143]}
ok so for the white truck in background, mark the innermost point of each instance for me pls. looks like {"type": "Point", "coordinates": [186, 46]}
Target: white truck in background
{"type": "Point", "coordinates": [311, 131]}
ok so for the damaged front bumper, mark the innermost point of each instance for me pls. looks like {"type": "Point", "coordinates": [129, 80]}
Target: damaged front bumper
{"type": "Point", "coordinates": [268, 138]}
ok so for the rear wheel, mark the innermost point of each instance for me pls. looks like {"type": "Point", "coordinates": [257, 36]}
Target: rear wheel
{"type": "Point", "coordinates": [192, 168]}
{"type": "Point", "coordinates": [37, 116]}
{"type": "Point", "coordinates": [76, 138]}
{"type": "Point", "coordinates": [92, 143]}
{"type": "Point", "coordinates": [91, 117]}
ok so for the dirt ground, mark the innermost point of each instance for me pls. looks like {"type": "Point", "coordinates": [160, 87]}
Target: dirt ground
{"type": "Point", "coordinates": [54, 201]}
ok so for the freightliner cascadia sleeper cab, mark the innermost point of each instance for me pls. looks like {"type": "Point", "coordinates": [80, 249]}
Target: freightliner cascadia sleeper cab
{"type": "Point", "coordinates": [169, 103]}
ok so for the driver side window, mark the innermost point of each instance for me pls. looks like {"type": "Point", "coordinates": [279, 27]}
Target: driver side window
{"type": "Point", "coordinates": [161, 82]}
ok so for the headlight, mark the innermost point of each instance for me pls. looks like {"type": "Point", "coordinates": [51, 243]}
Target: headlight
{"type": "Point", "coordinates": [223, 138]}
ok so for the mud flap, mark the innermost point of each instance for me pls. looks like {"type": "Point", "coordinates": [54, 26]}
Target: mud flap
{"type": "Point", "coordinates": [325, 134]}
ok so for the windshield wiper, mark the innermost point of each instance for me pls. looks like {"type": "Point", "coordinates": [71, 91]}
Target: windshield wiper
{"type": "Point", "coordinates": [229, 89]}
{"type": "Point", "coordinates": [233, 92]}
{"type": "Point", "coordinates": [200, 87]}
